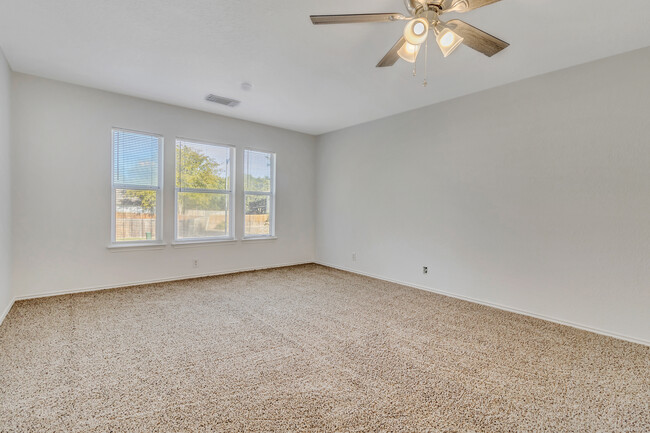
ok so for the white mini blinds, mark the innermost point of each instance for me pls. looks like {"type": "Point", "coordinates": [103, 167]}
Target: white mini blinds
{"type": "Point", "coordinates": [136, 187]}
{"type": "Point", "coordinates": [259, 194]}
{"type": "Point", "coordinates": [204, 191]}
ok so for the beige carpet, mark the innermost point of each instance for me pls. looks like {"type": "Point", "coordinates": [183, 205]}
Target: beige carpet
{"type": "Point", "coordinates": [307, 348]}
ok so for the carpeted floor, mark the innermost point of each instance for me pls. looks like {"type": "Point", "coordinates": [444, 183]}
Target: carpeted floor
{"type": "Point", "coordinates": [307, 348]}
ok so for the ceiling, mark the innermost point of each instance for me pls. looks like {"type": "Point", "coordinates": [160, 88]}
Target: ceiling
{"type": "Point", "coordinates": [305, 78]}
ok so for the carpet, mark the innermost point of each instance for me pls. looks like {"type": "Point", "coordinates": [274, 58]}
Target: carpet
{"type": "Point", "coordinates": [307, 348]}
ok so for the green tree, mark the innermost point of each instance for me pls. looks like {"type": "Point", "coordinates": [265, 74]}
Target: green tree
{"type": "Point", "coordinates": [144, 199]}
{"type": "Point", "coordinates": [199, 171]}
{"type": "Point", "coordinates": [257, 205]}
{"type": "Point", "coordinates": [262, 184]}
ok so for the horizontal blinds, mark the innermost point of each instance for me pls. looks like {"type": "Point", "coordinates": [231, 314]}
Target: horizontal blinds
{"type": "Point", "coordinates": [135, 159]}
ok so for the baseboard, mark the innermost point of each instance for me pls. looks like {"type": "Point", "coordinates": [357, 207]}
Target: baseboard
{"type": "Point", "coordinates": [161, 280]}
{"type": "Point", "coordinates": [490, 304]}
{"type": "Point", "coordinates": [6, 311]}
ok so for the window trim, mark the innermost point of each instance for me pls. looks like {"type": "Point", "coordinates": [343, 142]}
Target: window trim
{"type": "Point", "coordinates": [230, 236]}
{"type": "Point", "coordinates": [158, 241]}
{"type": "Point", "coordinates": [272, 234]}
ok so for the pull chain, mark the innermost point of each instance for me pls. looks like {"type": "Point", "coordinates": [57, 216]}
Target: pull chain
{"type": "Point", "coordinates": [426, 62]}
{"type": "Point", "coordinates": [415, 62]}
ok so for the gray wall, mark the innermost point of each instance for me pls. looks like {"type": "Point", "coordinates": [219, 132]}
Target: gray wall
{"type": "Point", "coordinates": [62, 198]}
{"type": "Point", "coordinates": [534, 196]}
{"type": "Point", "coordinates": [6, 294]}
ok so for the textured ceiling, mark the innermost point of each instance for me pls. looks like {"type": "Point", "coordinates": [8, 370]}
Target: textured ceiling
{"type": "Point", "coordinates": [306, 78]}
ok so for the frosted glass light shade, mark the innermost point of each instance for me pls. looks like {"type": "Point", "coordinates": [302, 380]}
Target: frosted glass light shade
{"type": "Point", "coordinates": [448, 41]}
{"type": "Point", "coordinates": [416, 31]}
{"type": "Point", "coordinates": [409, 52]}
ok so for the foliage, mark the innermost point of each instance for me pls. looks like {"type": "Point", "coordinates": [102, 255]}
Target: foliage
{"type": "Point", "coordinates": [199, 171]}
{"type": "Point", "coordinates": [144, 199]}
{"type": "Point", "coordinates": [259, 184]}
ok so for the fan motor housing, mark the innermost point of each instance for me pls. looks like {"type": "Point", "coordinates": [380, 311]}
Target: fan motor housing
{"type": "Point", "coordinates": [419, 7]}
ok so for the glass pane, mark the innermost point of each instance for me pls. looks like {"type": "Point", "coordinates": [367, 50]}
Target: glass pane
{"type": "Point", "coordinates": [135, 215]}
{"type": "Point", "coordinates": [203, 166]}
{"type": "Point", "coordinates": [135, 159]}
{"type": "Point", "coordinates": [202, 215]}
{"type": "Point", "coordinates": [257, 221]}
{"type": "Point", "coordinates": [257, 171]}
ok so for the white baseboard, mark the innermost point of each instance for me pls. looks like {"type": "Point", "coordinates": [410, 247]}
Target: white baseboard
{"type": "Point", "coordinates": [161, 280]}
{"type": "Point", "coordinates": [3, 315]}
{"type": "Point", "coordinates": [490, 304]}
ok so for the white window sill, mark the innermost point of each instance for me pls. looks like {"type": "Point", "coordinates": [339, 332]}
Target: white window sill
{"type": "Point", "coordinates": [200, 243]}
{"type": "Point", "coordinates": [259, 238]}
{"type": "Point", "coordinates": [137, 246]}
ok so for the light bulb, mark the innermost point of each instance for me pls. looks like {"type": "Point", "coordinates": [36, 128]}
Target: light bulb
{"type": "Point", "coordinates": [409, 52]}
{"type": "Point", "coordinates": [448, 40]}
{"type": "Point", "coordinates": [416, 31]}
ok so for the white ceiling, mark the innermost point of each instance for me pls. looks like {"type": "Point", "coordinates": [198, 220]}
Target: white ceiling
{"type": "Point", "coordinates": [306, 78]}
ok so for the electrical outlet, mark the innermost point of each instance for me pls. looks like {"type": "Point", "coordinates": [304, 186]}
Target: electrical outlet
{"type": "Point", "coordinates": [195, 263]}
{"type": "Point", "coordinates": [354, 257]}
{"type": "Point", "coordinates": [425, 270]}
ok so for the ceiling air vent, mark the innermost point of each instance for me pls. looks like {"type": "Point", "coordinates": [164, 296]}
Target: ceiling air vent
{"type": "Point", "coordinates": [223, 101]}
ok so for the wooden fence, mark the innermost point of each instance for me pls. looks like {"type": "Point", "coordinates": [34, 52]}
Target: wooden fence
{"type": "Point", "coordinates": [134, 226]}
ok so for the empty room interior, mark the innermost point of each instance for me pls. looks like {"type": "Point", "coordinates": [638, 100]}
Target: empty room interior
{"type": "Point", "coordinates": [300, 216]}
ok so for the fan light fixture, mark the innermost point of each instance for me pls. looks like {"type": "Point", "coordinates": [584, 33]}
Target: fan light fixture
{"type": "Point", "coordinates": [447, 40]}
{"type": "Point", "coordinates": [409, 52]}
{"type": "Point", "coordinates": [421, 18]}
{"type": "Point", "coordinates": [416, 31]}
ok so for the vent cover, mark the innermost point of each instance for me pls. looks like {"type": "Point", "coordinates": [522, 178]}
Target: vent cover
{"type": "Point", "coordinates": [222, 100]}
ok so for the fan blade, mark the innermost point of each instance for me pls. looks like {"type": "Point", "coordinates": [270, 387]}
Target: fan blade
{"type": "Point", "coordinates": [356, 18]}
{"type": "Point", "coordinates": [464, 5]}
{"type": "Point", "coordinates": [391, 57]}
{"type": "Point", "coordinates": [477, 39]}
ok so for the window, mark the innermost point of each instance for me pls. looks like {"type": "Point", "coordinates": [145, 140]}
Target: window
{"type": "Point", "coordinates": [136, 198]}
{"type": "Point", "coordinates": [204, 196]}
{"type": "Point", "coordinates": [259, 194]}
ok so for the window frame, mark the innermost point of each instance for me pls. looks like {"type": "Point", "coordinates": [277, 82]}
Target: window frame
{"type": "Point", "coordinates": [271, 195]}
{"type": "Point", "coordinates": [159, 192]}
{"type": "Point", "coordinates": [230, 236]}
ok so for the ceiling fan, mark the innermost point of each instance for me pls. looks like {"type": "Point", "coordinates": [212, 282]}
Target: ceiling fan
{"type": "Point", "coordinates": [424, 17]}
